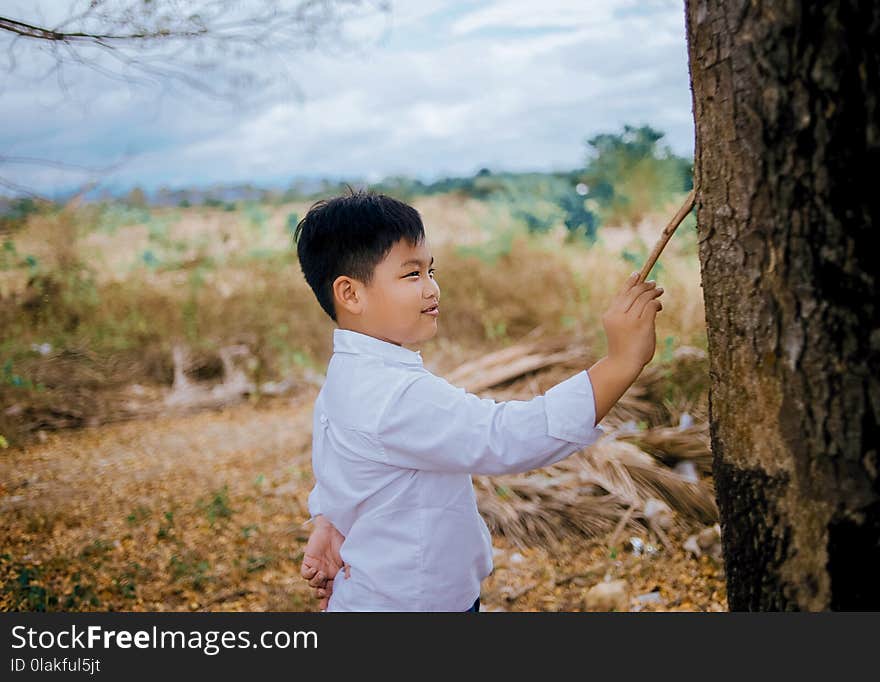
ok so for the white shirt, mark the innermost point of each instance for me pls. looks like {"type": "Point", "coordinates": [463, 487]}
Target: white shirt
{"type": "Point", "coordinates": [392, 452]}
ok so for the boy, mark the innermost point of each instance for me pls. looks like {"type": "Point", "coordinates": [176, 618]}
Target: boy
{"type": "Point", "coordinates": [394, 446]}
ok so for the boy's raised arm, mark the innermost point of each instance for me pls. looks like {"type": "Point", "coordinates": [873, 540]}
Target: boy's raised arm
{"type": "Point", "coordinates": [429, 424]}
{"type": "Point", "coordinates": [432, 425]}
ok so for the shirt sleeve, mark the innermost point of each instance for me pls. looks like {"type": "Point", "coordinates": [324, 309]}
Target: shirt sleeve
{"type": "Point", "coordinates": [430, 424]}
{"type": "Point", "coordinates": [315, 502]}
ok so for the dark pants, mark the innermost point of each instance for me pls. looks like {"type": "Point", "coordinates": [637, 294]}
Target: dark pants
{"type": "Point", "coordinates": [475, 608]}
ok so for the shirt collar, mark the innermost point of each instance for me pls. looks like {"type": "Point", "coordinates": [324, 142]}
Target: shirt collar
{"type": "Point", "coordinates": [348, 341]}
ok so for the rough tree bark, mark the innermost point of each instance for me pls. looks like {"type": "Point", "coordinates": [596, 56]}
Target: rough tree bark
{"type": "Point", "coordinates": [787, 158]}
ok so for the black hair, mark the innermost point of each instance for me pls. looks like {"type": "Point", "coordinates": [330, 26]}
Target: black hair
{"type": "Point", "coordinates": [350, 235]}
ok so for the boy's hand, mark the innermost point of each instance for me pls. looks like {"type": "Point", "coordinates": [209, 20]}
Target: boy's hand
{"type": "Point", "coordinates": [629, 322]}
{"type": "Point", "coordinates": [321, 560]}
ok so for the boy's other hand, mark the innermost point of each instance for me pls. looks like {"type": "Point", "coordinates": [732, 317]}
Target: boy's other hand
{"type": "Point", "coordinates": [629, 322]}
{"type": "Point", "coordinates": [321, 559]}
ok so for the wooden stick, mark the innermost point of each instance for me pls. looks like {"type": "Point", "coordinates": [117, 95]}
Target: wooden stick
{"type": "Point", "coordinates": [667, 233]}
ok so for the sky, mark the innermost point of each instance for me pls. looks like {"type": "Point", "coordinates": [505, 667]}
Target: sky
{"type": "Point", "coordinates": [434, 88]}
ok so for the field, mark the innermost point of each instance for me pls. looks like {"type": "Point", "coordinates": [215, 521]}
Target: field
{"type": "Point", "coordinates": [159, 367]}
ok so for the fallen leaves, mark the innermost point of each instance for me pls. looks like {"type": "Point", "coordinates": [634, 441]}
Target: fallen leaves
{"type": "Point", "coordinates": [176, 513]}
{"type": "Point", "coordinates": [591, 575]}
{"type": "Point", "coordinates": [204, 511]}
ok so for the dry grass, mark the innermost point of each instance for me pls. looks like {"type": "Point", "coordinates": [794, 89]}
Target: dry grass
{"type": "Point", "coordinates": [610, 484]}
{"type": "Point", "coordinates": [236, 280]}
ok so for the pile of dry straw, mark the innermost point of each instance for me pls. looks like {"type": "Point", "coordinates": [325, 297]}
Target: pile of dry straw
{"type": "Point", "coordinates": [650, 472]}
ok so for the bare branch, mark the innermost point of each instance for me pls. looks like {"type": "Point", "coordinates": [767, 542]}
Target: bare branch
{"type": "Point", "coordinates": [29, 31]}
{"type": "Point", "coordinates": [188, 34]}
{"type": "Point", "coordinates": [30, 160]}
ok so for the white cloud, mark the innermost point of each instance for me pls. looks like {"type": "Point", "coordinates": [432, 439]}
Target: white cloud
{"type": "Point", "coordinates": [526, 14]}
{"type": "Point", "coordinates": [454, 87]}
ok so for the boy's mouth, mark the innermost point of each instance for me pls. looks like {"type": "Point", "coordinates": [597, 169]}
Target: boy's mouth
{"type": "Point", "coordinates": [433, 310]}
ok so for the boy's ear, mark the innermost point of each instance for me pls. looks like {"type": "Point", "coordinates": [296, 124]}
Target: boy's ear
{"type": "Point", "coordinates": [347, 293]}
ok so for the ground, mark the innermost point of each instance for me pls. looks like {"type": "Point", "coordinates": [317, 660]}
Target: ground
{"type": "Point", "coordinates": [205, 511]}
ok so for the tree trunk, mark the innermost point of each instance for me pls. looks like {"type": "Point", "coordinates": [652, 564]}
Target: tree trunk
{"type": "Point", "coordinates": [786, 169]}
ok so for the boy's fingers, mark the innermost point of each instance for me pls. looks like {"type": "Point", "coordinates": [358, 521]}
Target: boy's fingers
{"type": "Point", "coordinates": [651, 310]}
{"type": "Point", "coordinates": [318, 580]}
{"type": "Point", "coordinates": [646, 296]}
{"type": "Point", "coordinates": [627, 285]}
{"type": "Point", "coordinates": [638, 291]}
{"type": "Point", "coordinates": [623, 300]}
{"type": "Point", "coordinates": [649, 304]}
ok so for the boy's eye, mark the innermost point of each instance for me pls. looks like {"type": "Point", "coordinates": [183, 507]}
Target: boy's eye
{"type": "Point", "coordinates": [416, 273]}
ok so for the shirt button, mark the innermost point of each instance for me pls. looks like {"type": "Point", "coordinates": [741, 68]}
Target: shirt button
{"type": "Point", "coordinates": [323, 418]}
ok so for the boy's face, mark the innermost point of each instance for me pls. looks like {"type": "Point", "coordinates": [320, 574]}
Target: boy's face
{"type": "Point", "coordinates": [392, 307]}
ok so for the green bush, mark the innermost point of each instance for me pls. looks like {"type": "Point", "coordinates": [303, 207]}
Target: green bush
{"type": "Point", "coordinates": [630, 174]}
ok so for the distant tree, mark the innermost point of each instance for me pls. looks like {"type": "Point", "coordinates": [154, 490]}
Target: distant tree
{"type": "Point", "coordinates": [400, 186]}
{"type": "Point", "coordinates": [579, 220]}
{"type": "Point", "coordinates": [14, 213]}
{"type": "Point", "coordinates": [136, 198]}
{"type": "Point", "coordinates": [630, 174]}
